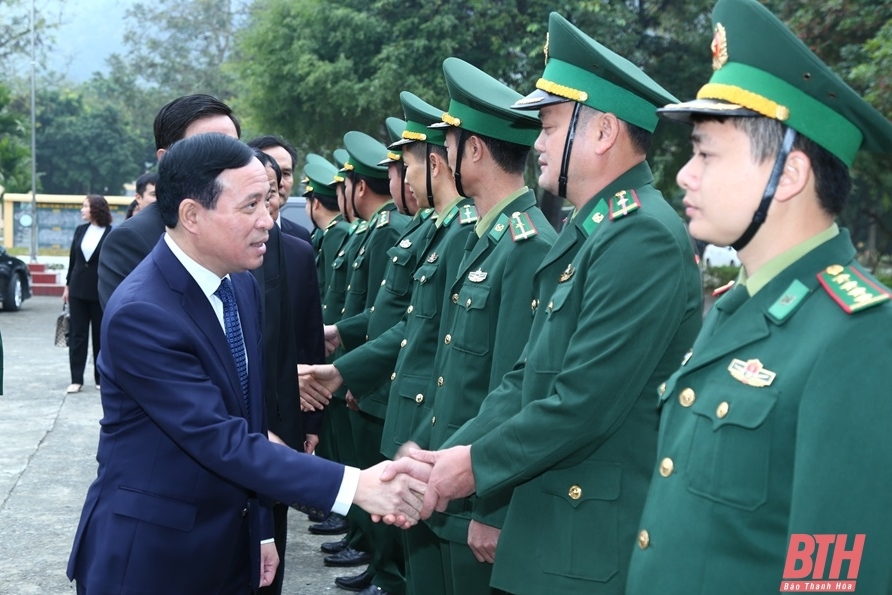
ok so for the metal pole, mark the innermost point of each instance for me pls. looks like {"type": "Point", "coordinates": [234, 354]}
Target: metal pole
{"type": "Point", "coordinates": [33, 147]}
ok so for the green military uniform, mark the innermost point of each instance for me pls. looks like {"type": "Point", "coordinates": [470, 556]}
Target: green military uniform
{"type": "Point", "coordinates": [485, 319]}
{"type": "Point", "coordinates": [777, 422]}
{"type": "Point", "coordinates": [617, 303]}
{"type": "Point", "coordinates": [326, 241]}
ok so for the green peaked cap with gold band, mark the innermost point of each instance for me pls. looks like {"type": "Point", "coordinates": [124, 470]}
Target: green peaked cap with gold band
{"type": "Point", "coordinates": [578, 68]}
{"type": "Point", "coordinates": [316, 158]}
{"type": "Point", "coordinates": [319, 177]}
{"type": "Point", "coordinates": [341, 157]}
{"type": "Point", "coordinates": [419, 116]}
{"type": "Point", "coordinates": [395, 128]}
{"type": "Point", "coordinates": [762, 69]}
{"type": "Point", "coordinates": [479, 103]}
{"type": "Point", "coordinates": [365, 153]}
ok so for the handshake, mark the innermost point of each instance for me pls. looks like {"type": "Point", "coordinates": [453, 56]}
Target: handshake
{"type": "Point", "coordinates": [410, 488]}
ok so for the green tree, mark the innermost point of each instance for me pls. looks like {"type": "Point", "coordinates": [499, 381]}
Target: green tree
{"type": "Point", "coordinates": [15, 173]}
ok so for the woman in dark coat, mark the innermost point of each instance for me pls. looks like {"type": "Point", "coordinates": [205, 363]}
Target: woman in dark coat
{"type": "Point", "coordinates": [81, 293]}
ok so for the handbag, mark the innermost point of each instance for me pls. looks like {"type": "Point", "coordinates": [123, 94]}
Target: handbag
{"type": "Point", "coordinates": [62, 324]}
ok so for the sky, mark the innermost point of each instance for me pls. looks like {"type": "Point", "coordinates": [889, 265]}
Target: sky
{"type": "Point", "coordinates": [91, 30]}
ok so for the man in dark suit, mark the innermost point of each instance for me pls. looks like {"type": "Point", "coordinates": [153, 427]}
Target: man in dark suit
{"type": "Point", "coordinates": [286, 157]}
{"type": "Point", "coordinates": [181, 502]}
{"type": "Point", "coordinates": [131, 241]}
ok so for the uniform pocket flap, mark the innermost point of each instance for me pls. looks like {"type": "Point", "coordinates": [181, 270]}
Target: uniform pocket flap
{"type": "Point", "coordinates": [743, 406]}
{"type": "Point", "coordinates": [399, 256]}
{"type": "Point", "coordinates": [589, 480]}
{"type": "Point", "coordinates": [473, 297]}
{"type": "Point", "coordinates": [154, 509]}
{"type": "Point", "coordinates": [410, 386]}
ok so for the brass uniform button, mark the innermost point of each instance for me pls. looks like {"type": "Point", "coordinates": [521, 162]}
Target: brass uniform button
{"type": "Point", "coordinates": [662, 389]}
{"type": "Point", "coordinates": [440, 381]}
{"type": "Point", "coordinates": [324, 306]}
{"type": "Point", "coordinates": [355, 265]}
{"type": "Point", "coordinates": [454, 298]}
{"type": "Point", "coordinates": [666, 467]}
{"type": "Point", "coordinates": [434, 420]}
{"type": "Point", "coordinates": [367, 338]}
{"type": "Point", "coordinates": [383, 282]}
{"type": "Point", "coordinates": [468, 303]}
{"type": "Point", "coordinates": [448, 339]}
{"type": "Point", "coordinates": [393, 376]}
{"type": "Point", "coordinates": [643, 539]}
{"type": "Point", "coordinates": [423, 278]}
{"type": "Point", "coordinates": [348, 287]}
{"type": "Point", "coordinates": [419, 398]}
{"type": "Point", "coordinates": [343, 310]}
{"type": "Point", "coordinates": [372, 309]}
{"type": "Point", "coordinates": [687, 397]}
{"type": "Point", "coordinates": [722, 410]}
{"type": "Point", "coordinates": [403, 343]}
{"type": "Point", "coordinates": [395, 259]}
{"type": "Point", "coordinates": [535, 304]}
{"type": "Point", "coordinates": [575, 492]}
{"type": "Point", "coordinates": [550, 305]}
{"type": "Point", "coordinates": [409, 309]}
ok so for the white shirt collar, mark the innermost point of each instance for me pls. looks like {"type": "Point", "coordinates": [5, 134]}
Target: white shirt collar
{"type": "Point", "coordinates": [207, 280]}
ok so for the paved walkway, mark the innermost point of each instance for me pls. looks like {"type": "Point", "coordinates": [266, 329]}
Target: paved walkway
{"type": "Point", "coordinates": [47, 460]}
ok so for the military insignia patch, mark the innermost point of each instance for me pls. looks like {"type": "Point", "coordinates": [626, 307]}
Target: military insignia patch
{"type": "Point", "coordinates": [498, 230]}
{"type": "Point", "coordinates": [851, 289]}
{"type": "Point", "coordinates": [426, 213]}
{"type": "Point", "coordinates": [567, 274]}
{"type": "Point", "coordinates": [598, 215]}
{"type": "Point", "coordinates": [433, 257]}
{"type": "Point", "coordinates": [363, 226]}
{"type": "Point", "coordinates": [406, 243]}
{"type": "Point", "coordinates": [788, 302]}
{"type": "Point", "coordinates": [477, 276]}
{"type": "Point", "coordinates": [383, 218]}
{"type": "Point", "coordinates": [468, 215]}
{"type": "Point", "coordinates": [447, 219]}
{"type": "Point", "coordinates": [621, 205]}
{"type": "Point", "coordinates": [522, 227]}
{"type": "Point", "coordinates": [719, 47]}
{"type": "Point", "coordinates": [751, 373]}
{"type": "Point", "coordinates": [353, 226]}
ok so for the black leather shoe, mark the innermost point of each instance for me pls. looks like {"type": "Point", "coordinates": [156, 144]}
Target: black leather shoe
{"type": "Point", "coordinates": [360, 582]}
{"type": "Point", "coordinates": [333, 547]}
{"type": "Point", "coordinates": [334, 525]}
{"type": "Point", "coordinates": [348, 557]}
{"type": "Point", "coordinates": [373, 590]}
{"type": "Point", "coordinates": [317, 517]}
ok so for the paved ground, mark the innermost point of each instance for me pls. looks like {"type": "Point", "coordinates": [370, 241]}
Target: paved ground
{"type": "Point", "coordinates": [47, 461]}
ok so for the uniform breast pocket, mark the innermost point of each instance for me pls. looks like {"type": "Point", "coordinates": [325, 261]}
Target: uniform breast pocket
{"type": "Point", "coordinates": [561, 322]}
{"type": "Point", "coordinates": [426, 298]}
{"type": "Point", "coordinates": [339, 275]}
{"type": "Point", "coordinates": [730, 446]}
{"type": "Point", "coordinates": [472, 333]}
{"type": "Point", "coordinates": [358, 277]}
{"type": "Point", "coordinates": [584, 501]}
{"type": "Point", "coordinates": [399, 271]}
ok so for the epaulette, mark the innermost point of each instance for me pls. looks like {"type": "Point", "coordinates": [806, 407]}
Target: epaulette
{"type": "Point", "coordinates": [363, 226]}
{"type": "Point", "coordinates": [332, 223]}
{"type": "Point", "coordinates": [383, 218]}
{"type": "Point", "coordinates": [426, 213]}
{"type": "Point", "coordinates": [467, 214]}
{"type": "Point", "coordinates": [353, 226]}
{"type": "Point", "coordinates": [522, 227]}
{"type": "Point", "coordinates": [851, 289]}
{"type": "Point", "coordinates": [621, 204]}
{"type": "Point", "coordinates": [597, 215]}
{"type": "Point", "coordinates": [448, 217]}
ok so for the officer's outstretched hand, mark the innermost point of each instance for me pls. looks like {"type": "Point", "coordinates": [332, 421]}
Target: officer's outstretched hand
{"type": "Point", "coordinates": [450, 477]}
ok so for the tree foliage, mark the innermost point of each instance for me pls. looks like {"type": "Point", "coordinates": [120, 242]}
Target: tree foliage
{"type": "Point", "coordinates": [15, 155]}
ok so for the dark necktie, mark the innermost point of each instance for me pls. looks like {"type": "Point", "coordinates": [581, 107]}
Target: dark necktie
{"type": "Point", "coordinates": [234, 334]}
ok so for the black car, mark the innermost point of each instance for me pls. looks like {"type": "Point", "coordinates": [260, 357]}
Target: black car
{"type": "Point", "coordinates": [15, 281]}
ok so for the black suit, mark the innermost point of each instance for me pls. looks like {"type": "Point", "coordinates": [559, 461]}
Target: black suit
{"type": "Point", "coordinates": [126, 247]}
{"type": "Point", "coordinates": [83, 304]}
{"type": "Point", "coordinates": [295, 229]}
{"type": "Point", "coordinates": [292, 333]}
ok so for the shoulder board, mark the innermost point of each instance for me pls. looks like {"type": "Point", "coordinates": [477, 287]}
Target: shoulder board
{"type": "Point", "coordinates": [448, 217]}
{"type": "Point", "coordinates": [353, 226]}
{"type": "Point", "coordinates": [595, 217]}
{"type": "Point", "coordinates": [363, 226]}
{"type": "Point", "coordinates": [623, 203]}
{"type": "Point", "coordinates": [467, 214]}
{"type": "Point", "coordinates": [522, 227]}
{"type": "Point", "coordinates": [851, 289]}
{"type": "Point", "coordinates": [383, 218]}
{"type": "Point", "coordinates": [332, 223]}
{"type": "Point", "coordinates": [427, 213]}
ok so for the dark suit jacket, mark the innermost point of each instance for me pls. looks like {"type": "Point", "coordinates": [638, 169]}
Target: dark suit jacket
{"type": "Point", "coordinates": [125, 248]}
{"type": "Point", "coordinates": [182, 461]}
{"type": "Point", "coordinates": [296, 230]}
{"type": "Point", "coordinates": [292, 332]}
{"type": "Point", "coordinates": [82, 276]}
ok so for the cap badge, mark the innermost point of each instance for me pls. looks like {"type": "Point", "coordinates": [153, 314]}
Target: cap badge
{"type": "Point", "coordinates": [719, 47]}
{"type": "Point", "coordinates": [751, 373]}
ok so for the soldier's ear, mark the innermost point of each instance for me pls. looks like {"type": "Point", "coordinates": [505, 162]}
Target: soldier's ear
{"type": "Point", "coordinates": [608, 129]}
{"type": "Point", "coordinates": [796, 177]}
